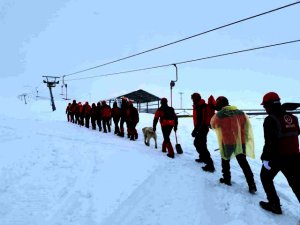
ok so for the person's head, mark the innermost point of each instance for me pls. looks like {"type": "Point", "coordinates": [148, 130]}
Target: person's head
{"type": "Point", "coordinates": [221, 102]}
{"type": "Point", "coordinates": [115, 104]}
{"type": "Point", "coordinates": [271, 102]}
{"type": "Point", "coordinates": [196, 97]}
{"type": "Point", "coordinates": [103, 102]}
{"type": "Point", "coordinates": [74, 101]}
{"type": "Point", "coordinates": [164, 102]}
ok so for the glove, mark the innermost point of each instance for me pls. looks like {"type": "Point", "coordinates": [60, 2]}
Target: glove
{"type": "Point", "coordinates": [266, 164]}
{"type": "Point", "coordinates": [175, 129]}
{"type": "Point", "coordinates": [194, 133]}
{"type": "Point", "coordinates": [154, 129]}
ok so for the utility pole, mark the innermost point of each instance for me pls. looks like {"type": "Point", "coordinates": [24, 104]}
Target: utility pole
{"type": "Point", "coordinates": [66, 98]}
{"type": "Point", "coordinates": [180, 99]}
{"type": "Point", "coordinates": [50, 85]}
{"type": "Point", "coordinates": [172, 83]}
{"type": "Point", "coordinates": [37, 93]}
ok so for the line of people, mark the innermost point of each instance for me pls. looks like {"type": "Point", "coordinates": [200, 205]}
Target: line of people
{"type": "Point", "coordinates": [235, 138]}
{"type": "Point", "coordinates": [102, 115]}
{"type": "Point", "coordinates": [234, 134]}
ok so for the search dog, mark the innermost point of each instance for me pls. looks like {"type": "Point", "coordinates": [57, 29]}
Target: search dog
{"type": "Point", "coordinates": [148, 134]}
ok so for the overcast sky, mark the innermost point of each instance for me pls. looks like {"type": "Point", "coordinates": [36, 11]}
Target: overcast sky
{"type": "Point", "coordinates": [59, 37]}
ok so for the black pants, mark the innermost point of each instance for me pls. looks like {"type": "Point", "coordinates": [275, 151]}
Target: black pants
{"type": "Point", "coordinates": [166, 130]}
{"type": "Point", "coordinates": [123, 120]}
{"type": "Point", "coordinates": [106, 124]}
{"type": "Point", "coordinates": [290, 167]}
{"type": "Point", "coordinates": [116, 122]}
{"type": "Point", "coordinates": [200, 144]}
{"type": "Point", "coordinates": [241, 158]}
{"type": "Point", "coordinates": [99, 123]}
{"type": "Point", "coordinates": [93, 121]}
{"type": "Point", "coordinates": [87, 121]}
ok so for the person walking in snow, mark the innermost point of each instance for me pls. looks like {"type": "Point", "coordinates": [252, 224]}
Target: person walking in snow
{"type": "Point", "coordinates": [68, 112]}
{"type": "Point", "coordinates": [235, 139]}
{"type": "Point", "coordinates": [87, 114]}
{"type": "Point", "coordinates": [72, 109]}
{"type": "Point", "coordinates": [200, 133]}
{"type": "Point", "coordinates": [116, 115]}
{"type": "Point", "coordinates": [132, 118]}
{"type": "Point", "coordinates": [93, 116]}
{"type": "Point", "coordinates": [280, 152]}
{"type": "Point", "coordinates": [168, 120]}
{"type": "Point", "coordinates": [99, 116]}
{"type": "Point", "coordinates": [124, 105]}
{"type": "Point", "coordinates": [106, 116]}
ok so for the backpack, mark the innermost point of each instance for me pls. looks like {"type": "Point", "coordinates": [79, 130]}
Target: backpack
{"type": "Point", "coordinates": [208, 110]}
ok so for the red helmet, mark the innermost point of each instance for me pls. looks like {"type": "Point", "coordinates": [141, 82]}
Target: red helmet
{"type": "Point", "coordinates": [270, 97]}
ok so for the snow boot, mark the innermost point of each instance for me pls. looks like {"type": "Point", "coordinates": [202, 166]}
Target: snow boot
{"type": "Point", "coordinates": [274, 208]}
{"type": "Point", "coordinates": [199, 160]}
{"type": "Point", "coordinates": [170, 149]}
{"type": "Point", "coordinates": [208, 168]}
{"type": "Point", "coordinates": [225, 181]}
{"type": "Point", "coordinates": [170, 156]}
{"type": "Point", "coordinates": [164, 148]}
{"type": "Point", "coordinates": [252, 188]}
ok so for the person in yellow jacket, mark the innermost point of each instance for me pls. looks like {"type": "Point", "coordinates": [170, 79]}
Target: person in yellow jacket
{"type": "Point", "coordinates": [235, 138]}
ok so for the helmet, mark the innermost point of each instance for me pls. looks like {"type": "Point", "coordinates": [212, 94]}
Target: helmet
{"type": "Point", "coordinates": [221, 102]}
{"type": "Point", "coordinates": [130, 102]}
{"type": "Point", "coordinates": [196, 96]}
{"type": "Point", "coordinates": [271, 97]}
{"type": "Point", "coordinates": [103, 102]}
{"type": "Point", "coordinates": [163, 101]}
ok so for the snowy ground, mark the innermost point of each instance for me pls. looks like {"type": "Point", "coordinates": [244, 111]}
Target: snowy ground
{"type": "Point", "coordinates": [56, 173]}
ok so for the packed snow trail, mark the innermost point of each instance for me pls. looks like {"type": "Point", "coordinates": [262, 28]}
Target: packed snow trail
{"type": "Point", "coordinates": [57, 173]}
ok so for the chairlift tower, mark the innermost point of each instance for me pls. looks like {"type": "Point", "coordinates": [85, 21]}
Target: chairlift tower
{"type": "Point", "coordinates": [51, 82]}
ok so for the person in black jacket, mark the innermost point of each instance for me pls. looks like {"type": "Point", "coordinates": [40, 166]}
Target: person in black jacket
{"type": "Point", "coordinates": [280, 152]}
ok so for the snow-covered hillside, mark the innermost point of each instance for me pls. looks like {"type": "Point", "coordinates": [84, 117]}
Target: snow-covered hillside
{"type": "Point", "coordinates": [56, 173]}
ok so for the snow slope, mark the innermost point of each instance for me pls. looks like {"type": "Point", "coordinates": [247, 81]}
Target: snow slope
{"type": "Point", "coordinates": [56, 173]}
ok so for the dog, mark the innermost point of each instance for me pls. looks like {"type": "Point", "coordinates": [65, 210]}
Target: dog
{"type": "Point", "coordinates": [148, 134]}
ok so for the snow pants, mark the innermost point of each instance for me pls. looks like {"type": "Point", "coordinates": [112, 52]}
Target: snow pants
{"type": "Point", "coordinates": [290, 167]}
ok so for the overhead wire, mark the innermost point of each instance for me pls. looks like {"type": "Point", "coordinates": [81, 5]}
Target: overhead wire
{"type": "Point", "coordinates": [188, 61]}
{"type": "Point", "coordinates": [183, 39]}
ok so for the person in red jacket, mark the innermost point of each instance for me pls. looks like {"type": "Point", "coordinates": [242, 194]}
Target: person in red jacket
{"type": "Point", "coordinates": [168, 120]}
{"type": "Point", "coordinates": [77, 113]}
{"type": "Point", "coordinates": [132, 118]}
{"type": "Point", "coordinates": [87, 114]}
{"type": "Point", "coordinates": [200, 133]}
{"type": "Point", "coordinates": [72, 110]}
{"type": "Point", "coordinates": [280, 152]}
{"type": "Point", "coordinates": [116, 115]}
{"type": "Point", "coordinates": [106, 116]}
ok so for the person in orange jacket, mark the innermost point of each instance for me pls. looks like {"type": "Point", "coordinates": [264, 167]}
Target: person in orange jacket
{"type": "Point", "coordinates": [168, 120]}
